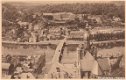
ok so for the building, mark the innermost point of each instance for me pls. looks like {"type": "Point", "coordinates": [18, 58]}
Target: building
{"type": "Point", "coordinates": [104, 66]}
{"type": "Point", "coordinates": [48, 16]}
{"type": "Point", "coordinates": [87, 65]}
{"type": "Point", "coordinates": [91, 67]}
{"type": "Point", "coordinates": [62, 16]}
{"type": "Point", "coordinates": [5, 69]}
{"type": "Point", "coordinates": [116, 19]}
{"type": "Point", "coordinates": [97, 18]}
{"type": "Point", "coordinates": [121, 64]}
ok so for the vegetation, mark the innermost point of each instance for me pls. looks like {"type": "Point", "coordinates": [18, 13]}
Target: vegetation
{"type": "Point", "coordinates": [109, 9]}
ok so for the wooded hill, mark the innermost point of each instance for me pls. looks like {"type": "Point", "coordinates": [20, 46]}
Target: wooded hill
{"type": "Point", "coordinates": [10, 10]}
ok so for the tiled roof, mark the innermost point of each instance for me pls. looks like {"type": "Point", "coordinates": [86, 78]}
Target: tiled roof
{"type": "Point", "coordinates": [104, 63]}
{"type": "Point", "coordinates": [87, 62]}
{"type": "Point", "coordinates": [122, 62]}
{"type": "Point", "coordinates": [96, 69]}
{"type": "Point", "coordinates": [116, 51]}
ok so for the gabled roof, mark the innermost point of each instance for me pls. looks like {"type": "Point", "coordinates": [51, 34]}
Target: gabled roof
{"type": "Point", "coordinates": [87, 62]}
{"type": "Point", "coordinates": [104, 63]}
{"type": "Point", "coordinates": [96, 70]}
{"type": "Point", "coordinates": [122, 62]}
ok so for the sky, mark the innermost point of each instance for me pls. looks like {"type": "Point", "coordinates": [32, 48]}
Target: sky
{"type": "Point", "coordinates": [57, 1]}
{"type": "Point", "coordinates": [37, 2]}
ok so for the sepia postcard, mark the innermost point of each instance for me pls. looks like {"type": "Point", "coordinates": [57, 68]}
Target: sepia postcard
{"type": "Point", "coordinates": [65, 39]}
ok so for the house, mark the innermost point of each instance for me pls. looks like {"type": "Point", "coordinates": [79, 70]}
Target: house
{"type": "Point", "coordinates": [122, 62]}
{"type": "Point", "coordinates": [48, 16]}
{"type": "Point", "coordinates": [90, 66]}
{"type": "Point", "coordinates": [96, 18]}
{"type": "Point", "coordinates": [38, 13]}
{"type": "Point", "coordinates": [59, 18]}
{"type": "Point", "coordinates": [79, 16]}
{"type": "Point", "coordinates": [62, 16]}
{"type": "Point", "coordinates": [116, 19]}
{"type": "Point", "coordinates": [5, 69]}
{"type": "Point", "coordinates": [87, 65]}
{"type": "Point", "coordinates": [77, 34]}
{"type": "Point", "coordinates": [104, 66]}
{"type": "Point", "coordinates": [101, 68]}
{"type": "Point", "coordinates": [23, 23]}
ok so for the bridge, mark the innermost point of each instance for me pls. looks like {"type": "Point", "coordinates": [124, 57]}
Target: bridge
{"type": "Point", "coordinates": [73, 72]}
{"type": "Point", "coordinates": [56, 64]}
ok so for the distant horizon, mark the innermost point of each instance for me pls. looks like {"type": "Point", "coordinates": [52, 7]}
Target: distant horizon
{"type": "Point", "coordinates": [36, 3]}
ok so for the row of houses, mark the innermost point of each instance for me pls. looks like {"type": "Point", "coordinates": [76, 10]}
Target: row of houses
{"type": "Point", "coordinates": [65, 16]}
{"type": "Point", "coordinates": [99, 67]}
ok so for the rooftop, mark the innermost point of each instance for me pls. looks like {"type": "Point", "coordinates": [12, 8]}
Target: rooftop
{"type": "Point", "coordinates": [87, 62]}
{"type": "Point", "coordinates": [104, 63]}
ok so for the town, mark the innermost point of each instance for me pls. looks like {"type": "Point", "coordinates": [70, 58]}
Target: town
{"type": "Point", "coordinates": [60, 42]}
